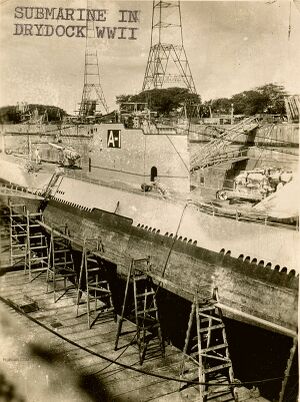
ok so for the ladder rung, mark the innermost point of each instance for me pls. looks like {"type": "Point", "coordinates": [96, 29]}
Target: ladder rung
{"type": "Point", "coordinates": [140, 277]}
{"type": "Point", "coordinates": [89, 259]}
{"type": "Point", "coordinates": [62, 250]}
{"type": "Point", "coordinates": [212, 318]}
{"type": "Point", "coordinates": [38, 269]}
{"type": "Point", "coordinates": [37, 247]}
{"type": "Point", "coordinates": [91, 298]}
{"type": "Point", "coordinates": [219, 393]}
{"type": "Point", "coordinates": [99, 289]}
{"type": "Point", "coordinates": [217, 368]}
{"type": "Point", "coordinates": [223, 345]}
{"type": "Point", "coordinates": [37, 236]}
{"type": "Point", "coordinates": [97, 284]}
{"type": "Point", "coordinates": [212, 327]}
{"type": "Point", "coordinates": [38, 258]}
{"type": "Point", "coordinates": [63, 263]}
{"type": "Point", "coordinates": [147, 311]}
{"type": "Point", "coordinates": [93, 269]}
{"type": "Point", "coordinates": [207, 308]}
{"type": "Point", "coordinates": [145, 294]}
{"type": "Point", "coordinates": [18, 255]}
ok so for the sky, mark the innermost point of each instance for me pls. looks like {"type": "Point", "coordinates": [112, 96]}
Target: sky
{"type": "Point", "coordinates": [231, 46]}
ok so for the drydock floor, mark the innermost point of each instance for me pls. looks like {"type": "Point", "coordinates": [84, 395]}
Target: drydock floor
{"type": "Point", "coordinates": [37, 365]}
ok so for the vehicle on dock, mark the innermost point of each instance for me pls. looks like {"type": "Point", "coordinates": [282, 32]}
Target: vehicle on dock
{"type": "Point", "coordinates": [255, 185]}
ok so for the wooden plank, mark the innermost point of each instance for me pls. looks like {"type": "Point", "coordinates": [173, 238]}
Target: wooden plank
{"type": "Point", "coordinates": [121, 383]}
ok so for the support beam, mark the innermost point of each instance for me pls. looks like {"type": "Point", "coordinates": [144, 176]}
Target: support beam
{"type": "Point", "coordinates": [288, 369]}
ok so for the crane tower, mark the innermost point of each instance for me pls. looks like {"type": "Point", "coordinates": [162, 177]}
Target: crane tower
{"type": "Point", "coordinates": [167, 61]}
{"type": "Point", "coordinates": [92, 100]}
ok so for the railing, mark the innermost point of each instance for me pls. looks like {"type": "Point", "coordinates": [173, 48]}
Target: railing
{"type": "Point", "coordinates": [222, 158]}
{"type": "Point", "coordinates": [14, 190]}
{"type": "Point", "coordinates": [240, 215]}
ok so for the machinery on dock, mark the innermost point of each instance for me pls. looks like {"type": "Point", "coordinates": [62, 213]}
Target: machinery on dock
{"type": "Point", "coordinates": [67, 155]}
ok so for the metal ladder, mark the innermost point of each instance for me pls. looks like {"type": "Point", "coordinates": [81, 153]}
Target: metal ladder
{"type": "Point", "coordinates": [206, 356]}
{"type": "Point", "coordinates": [36, 246]}
{"type": "Point", "coordinates": [18, 234]}
{"type": "Point", "coordinates": [60, 264]}
{"type": "Point", "coordinates": [94, 285]}
{"type": "Point", "coordinates": [145, 311]}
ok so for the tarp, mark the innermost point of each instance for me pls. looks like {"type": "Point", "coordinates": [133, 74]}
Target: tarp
{"type": "Point", "coordinates": [284, 203]}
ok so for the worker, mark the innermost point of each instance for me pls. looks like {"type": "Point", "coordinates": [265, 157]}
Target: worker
{"type": "Point", "coordinates": [37, 156]}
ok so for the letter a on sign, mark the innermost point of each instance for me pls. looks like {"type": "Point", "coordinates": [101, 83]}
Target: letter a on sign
{"type": "Point", "coordinates": [114, 139]}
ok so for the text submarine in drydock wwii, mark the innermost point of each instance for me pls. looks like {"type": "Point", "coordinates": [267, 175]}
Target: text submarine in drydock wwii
{"type": "Point", "coordinates": [181, 231]}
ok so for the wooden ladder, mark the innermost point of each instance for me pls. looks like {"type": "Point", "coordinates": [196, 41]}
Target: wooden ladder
{"type": "Point", "coordinates": [60, 264]}
{"type": "Point", "coordinates": [37, 247]}
{"type": "Point", "coordinates": [18, 234]}
{"type": "Point", "coordinates": [206, 356]}
{"type": "Point", "coordinates": [94, 285]}
{"type": "Point", "coordinates": [145, 311]}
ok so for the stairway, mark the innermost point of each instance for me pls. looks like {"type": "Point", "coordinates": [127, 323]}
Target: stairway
{"type": "Point", "coordinates": [218, 146]}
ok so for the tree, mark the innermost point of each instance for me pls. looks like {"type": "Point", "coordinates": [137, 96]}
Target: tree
{"type": "Point", "coordinates": [123, 99]}
{"type": "Point", "coordinates": [268, 98]}
{"type": "Point", "coordinates": [275, 94]}
{"type": "Point", "coordinates": [249, 103]}
{"type": "Point", "coordinates": [163, 101]}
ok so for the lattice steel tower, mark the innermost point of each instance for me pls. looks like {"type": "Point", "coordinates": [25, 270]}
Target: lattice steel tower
{"type": "Point", "coordinates": [93, 100]}
{"type": "Point", "coordinates": [167, 61]}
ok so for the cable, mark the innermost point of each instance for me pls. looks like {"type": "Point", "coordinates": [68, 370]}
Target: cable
{"type": "Point", "coordinates": [178, 154]}
{"type": "Point", "coordinates": [155, 294]}
{"type": "Point", "coordinates": [163, 377]}
{"type": "Point", "coordinates": [214, 137]}
{"type": "Point", "coordinates": [115, 360]}
{"type": "Point", "coordinates": [290, 21]}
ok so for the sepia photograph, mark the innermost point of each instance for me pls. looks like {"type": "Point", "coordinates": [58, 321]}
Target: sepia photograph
{"type": "Point", "coordinates": [149, 200]}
